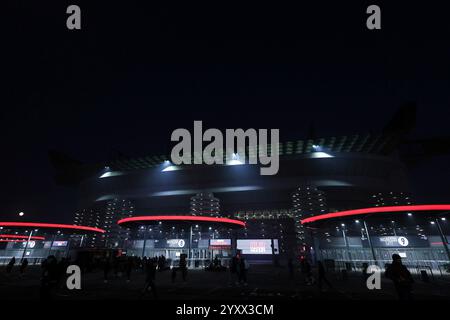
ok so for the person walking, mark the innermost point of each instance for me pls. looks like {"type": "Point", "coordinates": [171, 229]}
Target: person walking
{"type": "Point", "coordinates": [183, 266]}
{"type": "Point", "coordinates": [244, 266]}
{"type": "Point", "coordinates": [49, 277]}
{"type": "Point", "coordinates": [234, 272]}
{"type": "Point", "coordinates": [150, 274]}
{"type": "Point", "coordinates": [10, 265]}
{"type": "Point", "coordinates": [23, 266]}
{"type": "Point", "coordinates": [401, 277]}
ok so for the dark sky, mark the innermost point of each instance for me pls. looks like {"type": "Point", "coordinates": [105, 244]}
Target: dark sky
{"type": "Point", "coordinates": [135, 72]}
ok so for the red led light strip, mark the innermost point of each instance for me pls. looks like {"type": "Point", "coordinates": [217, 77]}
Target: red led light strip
{"type": "Point", "coordinates": [182, 218]}
{"type": "Point", "coordinates": [49, 225]}
{"type": "Point", "coordinates": [15, 236]}
{"type": "Point", "coordinates": [376, 210]}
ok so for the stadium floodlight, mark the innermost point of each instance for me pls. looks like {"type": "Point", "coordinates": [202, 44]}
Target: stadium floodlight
{"type": "Point", "coordinates": [235, 160]}
{"type": "Point", "coordinates": [171, 168]}
{"type": "Point", "coordinates": [234, 163]}
{"type": "Point", "coordinates": [317, 155]}
{"type": "Point", "coordinates": [111, 174]}
{"type": "Point", "coordinates": [168, 166]}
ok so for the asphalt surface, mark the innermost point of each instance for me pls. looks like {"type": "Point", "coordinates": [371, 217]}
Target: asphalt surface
{"type": "Point", "coordinates": [264, 283]}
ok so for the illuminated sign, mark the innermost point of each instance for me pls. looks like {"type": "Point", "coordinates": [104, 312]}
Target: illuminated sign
{"type": "Point", "coordinates": [175, 243]}
{"type": "Point", "coordinates": [403, 241]}
{"type": "Point", "coordinates": [397, 242]}
{"type": "Point", "coordinates": [59, 244]}
{"type": "Point", "coordinates": [30, 245]}
{"type": "Point", "coordinates": [220, 242]}
{"type": "Point", "coordinates": [257, 246]}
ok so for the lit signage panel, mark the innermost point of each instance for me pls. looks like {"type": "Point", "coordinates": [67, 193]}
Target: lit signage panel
{"type": "Point", "coordinates": [220, 242]}
{"type": "Point", "coordinates": [59, 244]}
{"type": "Point", "coordinates": [257, 246]}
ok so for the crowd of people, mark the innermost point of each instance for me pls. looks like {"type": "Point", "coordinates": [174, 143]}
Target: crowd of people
{"type": "Point", "coordinates": [116, 266]}
{"type": "Point", "coordinates": [12, 262]}
{"type": "Point", "coordinates": [54, 272]}
{"type": "Point", "coordinates": [216, 265]}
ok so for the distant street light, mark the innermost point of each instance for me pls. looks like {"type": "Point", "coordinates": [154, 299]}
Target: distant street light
{"type": "Point", "coordinates": [21, 214]}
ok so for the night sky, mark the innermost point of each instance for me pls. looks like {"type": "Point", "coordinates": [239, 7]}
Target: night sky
{"type": "Point", "coordinates": [135, 72]}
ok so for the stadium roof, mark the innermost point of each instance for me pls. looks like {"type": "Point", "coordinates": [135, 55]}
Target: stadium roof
{"type": "Point", "coordinates": [371, 144]}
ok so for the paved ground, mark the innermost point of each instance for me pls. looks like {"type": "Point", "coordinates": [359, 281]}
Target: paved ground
{"type": "Point", "coordinates": [264, 282]}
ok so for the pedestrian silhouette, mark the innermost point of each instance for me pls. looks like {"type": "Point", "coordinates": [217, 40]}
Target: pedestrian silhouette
{"type": "Point", "coordinates": [150, 273]}
{"type": "Point", "coordinates": [244, 266]}
{"type": "Point", "coordinates": [234, 269]}
{"type": "Point", "coordinates": [10, 265]}
{"type": "Point", "coordinates": [24, 265]}
{"type": "Point", "coordinates": [49, 277]}
{"type": "Point", "coordinates": [401, 277]}
{"type": "Point", "coordinates": [183, 266]}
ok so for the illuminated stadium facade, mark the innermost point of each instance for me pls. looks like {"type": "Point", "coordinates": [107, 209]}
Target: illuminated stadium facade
{"type": "Point", "coordinates": [147, 206]}
{"type": "Point", "coordinates": [418, 233]}
{"type": "Point", "coordinates": [315, 176]}
{"type": "Point", "coordinates": [343, 200]}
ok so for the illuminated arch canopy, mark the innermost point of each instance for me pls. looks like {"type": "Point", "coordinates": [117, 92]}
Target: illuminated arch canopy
{"type": "Point", "coordinates": [181, 219]}
{"type": "Point", "coordinates": [379, 210]}
{"type": "Point", "coordinates": [19, 237]}
{"type": "Point", "coordinates": [50, 226]}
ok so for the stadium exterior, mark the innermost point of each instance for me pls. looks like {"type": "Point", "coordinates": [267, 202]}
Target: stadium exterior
{"type": "Point", "coordinates": [147, 207]}
{"type": "Point", "coordinates": [316, 176]}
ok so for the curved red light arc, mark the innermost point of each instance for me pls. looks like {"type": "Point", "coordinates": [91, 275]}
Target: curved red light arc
{"type": "Point", "coordinates": [15, 236]}
{"type": "Point", "coordinates": [182, 218]}
{"type": "Point", "coordinates": [377, 210]}
{"type": "Point", "coordinates": [49, 226]}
